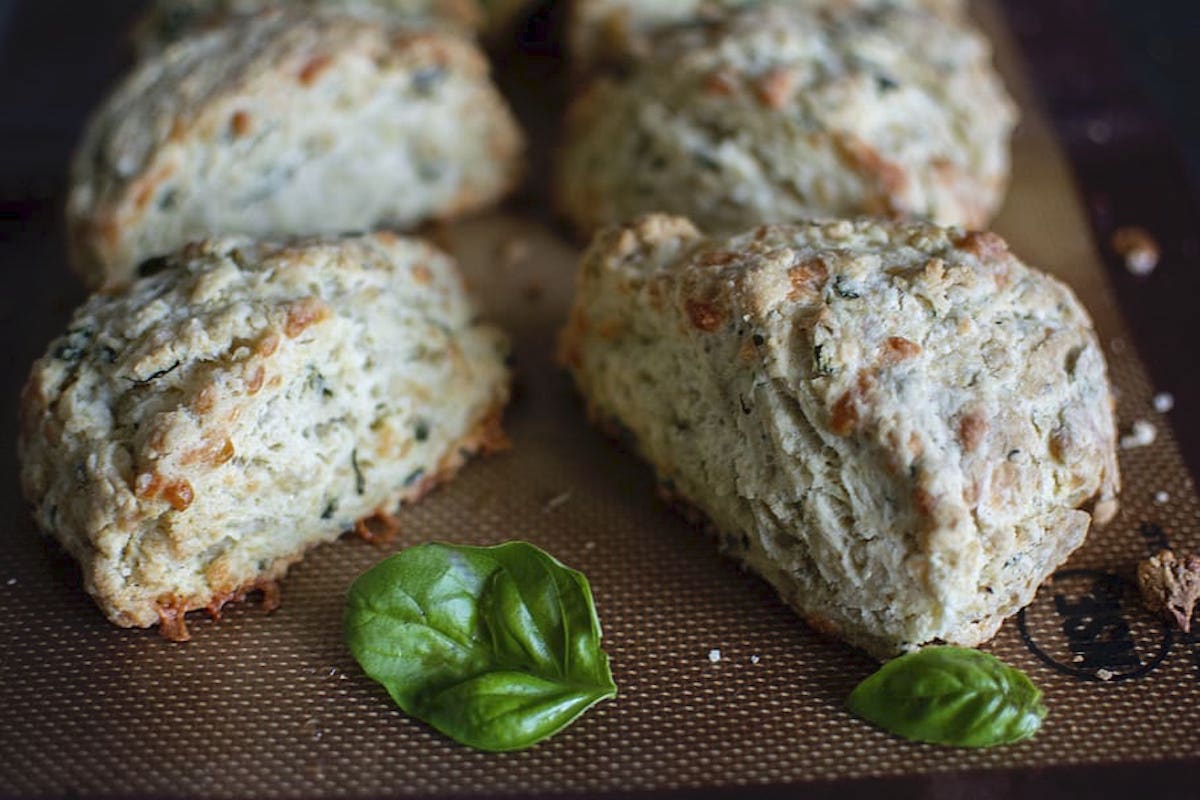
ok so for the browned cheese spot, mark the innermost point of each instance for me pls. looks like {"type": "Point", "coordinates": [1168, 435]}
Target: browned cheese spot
{"type": "Point", "coordinates": [303, 314]}
{"type": "Point", "coordinates": [255, 381]}
{"type": "Point", "coordinates": [720, 83]}
{"type": "Point", "coordinates": [845, 418]}
{"type": "Point", "coordinates": [982, 244]}
{"type": "Point", "coordinates": [179, 495]}
{"type": "Point", "coordinates": [775, 89]}
{"type": "Point", "coordinates": [807, 278]}
{"type": "Point", "coordinates": [704, 316]}
{"type": "Point", "coordinates": [239, 124]}
{"type": "Point", "coordinates": [972, 429]}
{"type": "Point", "coordinates": [312, 70]}
{"type": "Point", "coordinates": [172, 624]}
{"type": "Point", "coordinates": [897, 349]}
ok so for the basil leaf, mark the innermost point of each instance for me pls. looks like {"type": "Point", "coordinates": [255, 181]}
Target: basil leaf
{"type": "Point", "coordinates": [497, 647]}
{"type": "Point", "coordinates": [951, 695]}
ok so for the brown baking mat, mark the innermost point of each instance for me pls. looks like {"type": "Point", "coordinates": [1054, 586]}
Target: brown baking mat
{"type": "Point", "coordinates": [273, 705]}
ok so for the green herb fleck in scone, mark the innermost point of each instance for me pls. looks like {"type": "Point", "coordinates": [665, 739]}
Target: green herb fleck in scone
{"type": "Point", "coordinates": [902, 427]}
{"type": "Point", "coordinates": [288, 124]}
{"type": "Point", "coordinates": [190, 439]}
{"type": "Point", "coordinates": [779, 113]}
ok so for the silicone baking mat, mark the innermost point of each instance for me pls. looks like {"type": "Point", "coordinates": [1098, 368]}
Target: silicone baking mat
{"type": "Point", "coordinates": [270, 705]}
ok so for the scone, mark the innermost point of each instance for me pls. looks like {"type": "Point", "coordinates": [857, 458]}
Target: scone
{"type": "Point", "coordinates": [779, 113]}
{"type": "Point", "coordinates": [617, 32]}
{"type": "Point", "coordinates": [188, 440]}
{"type": "Point", "coordinates": [902, 427]}
{"type": "Point", "coordinates": [168, 21]}
{"type": "Point", "coordinates": [289, 124]}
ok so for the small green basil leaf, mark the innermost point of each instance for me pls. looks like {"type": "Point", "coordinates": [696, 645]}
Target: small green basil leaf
{"type": "Point", "coordinates": [497, 647]}
{"type": "Point", "coordinates": [951, 695]}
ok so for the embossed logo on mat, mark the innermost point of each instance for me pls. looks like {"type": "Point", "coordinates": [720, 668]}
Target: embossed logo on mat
{"type": "Point", "coordinates": [1091, 625]}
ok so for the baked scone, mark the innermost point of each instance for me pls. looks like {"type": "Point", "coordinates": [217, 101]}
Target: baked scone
{"type": "Point", "coordinates": [168, 21]}
{"type": "Point", "coordinates": [288, 124]}
{"type": "Point", "coordinates": [779, 113]}
{"type": "Point", "coordinates": [189, 439]}
{"type": "Point", "coordinates": [902, 427]}
{"type": "Point", "coordinates": [618, 32]}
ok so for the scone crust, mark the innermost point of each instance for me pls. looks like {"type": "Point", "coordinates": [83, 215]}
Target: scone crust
{"type": "Point", "coordinates": [191, 439]}
{"type": "Point", "coordinates": [262, 103]}
{"type": "Point", "coordinates": [612, 34]}
{"type": "Point", "coordinates": [902, 427]}
{"type": "Point", "coordinates": [781, 113]}
{"type": "Point", "coordinates": [168, 21]}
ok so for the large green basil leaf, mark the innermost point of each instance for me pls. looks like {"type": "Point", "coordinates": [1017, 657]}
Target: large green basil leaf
{"type": "Point", "coordinates": [951, 695]}
{"type": "Point", "coordinates": [497, 647]}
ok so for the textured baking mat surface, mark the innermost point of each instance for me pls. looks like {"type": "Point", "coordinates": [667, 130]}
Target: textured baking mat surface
{"type": "Point", "coordinates": [273, 705]}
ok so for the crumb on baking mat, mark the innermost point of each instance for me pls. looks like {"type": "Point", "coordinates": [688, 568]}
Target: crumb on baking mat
{"type": "Point", "coordinates": [1171, 586]}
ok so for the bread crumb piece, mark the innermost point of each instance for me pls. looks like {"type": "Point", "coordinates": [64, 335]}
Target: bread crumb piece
{"type": "Point", "coordinates": [1140, 435]}
{"type": "Point", "coordinates": [1171, 586]}
{"type": "Point", "coordinates": [11, 582]}
{"type": "Point", "coordinates": [1138, 248]}
{"type": "Point", "coordinates": [754, 659]}
{"type": "Point", "coordinates": [589, 545]}
{"type": "Point", "coordinates": [714, 656]}
{"type": "Point", "coordinates": [1164, 402]}
{"type": "Point", "coordinates": [1162, 498]}
{"type": "Point", "coordinates": [555, 502]}
{"type": "Point", "coordinates": [512, 252]}
{"type": "Point", "coordinates": [1104, 674]}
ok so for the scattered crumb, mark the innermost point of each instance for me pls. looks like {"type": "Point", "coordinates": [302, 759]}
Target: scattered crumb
{"type": "Point", "coordinates": [1164, 402]}
{"type": "Point", "coordinates": [714, 656]}
{"type": "Point", "coordinates": [1077, 658]}
{"type": "Point", "coordinates": [1140, 435]}
{"type": "Point", "coordinates": [1138, 248]}
{"type": "Point", "coordinates": [1162, 498]}
{"type": "Point", "coordinates": [1171, 586]}
{"type": "Point", "coordinates": [1104, 674]}
{"type": "Point", "coordinates": [589, 545]}
{"type": "Point", "coordinates": [512, 251]}
{"type": "Point", "coordinates": [11, 582]}
{"type": "Point", "coordinates": [533, 291]}
{"type": "Point", "coordinates": [555, 502]}
{"type": "Point", "coordinates": [754, 659]}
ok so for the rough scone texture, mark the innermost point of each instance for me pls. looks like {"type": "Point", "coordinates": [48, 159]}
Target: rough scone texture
{"type": "Point", "coordinates": [898, 425]}
{"type": "Point", "coordinates": [168, 21]}
{"type": "Point", "coordinates": [289, 124]}
{"type": "Point", "coordinates": [614, 33]}
{"type": "Point", "coordinates": [781, 113]}
{"type": "Point", "coordinates": [190, 439]}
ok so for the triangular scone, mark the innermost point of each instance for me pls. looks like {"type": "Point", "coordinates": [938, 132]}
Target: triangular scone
{"type": "Point", "coordinates": [167, 21]}
{"type": "Point", "coordinates": [899, 426]}
{"type": "Point", "coordinates": [613, 33]}
{"type": "Point", "coordinates": [289, 124]}
{"type": "Point", "coordinates": [190, 439]}
{"type": "Point", "coordinates": [787, 111]}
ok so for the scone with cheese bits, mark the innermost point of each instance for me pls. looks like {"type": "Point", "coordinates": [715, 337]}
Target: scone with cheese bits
{"type": "Point", "coordinates": [168, 21]}
{"type": "Point", "coordinates": [188, 440]}
{"type": "Point", "coordinates": [289, 124]}
{"type": "Point", "coordinates": [784, 112]}
{"type": "Point", "coordinates": [902, 427]}
{"type": "Point", "coordinates": [614, 33]}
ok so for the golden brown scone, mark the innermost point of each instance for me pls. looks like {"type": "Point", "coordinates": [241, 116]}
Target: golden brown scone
{"type": "Point", "coordinates": [902, 427]}
{"type": "Point", "coordinates": [289, 124]}
{"type": "Point", "coordinates": [779, 113]}
{"type": "Point", "coordinates": [190, 439]}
